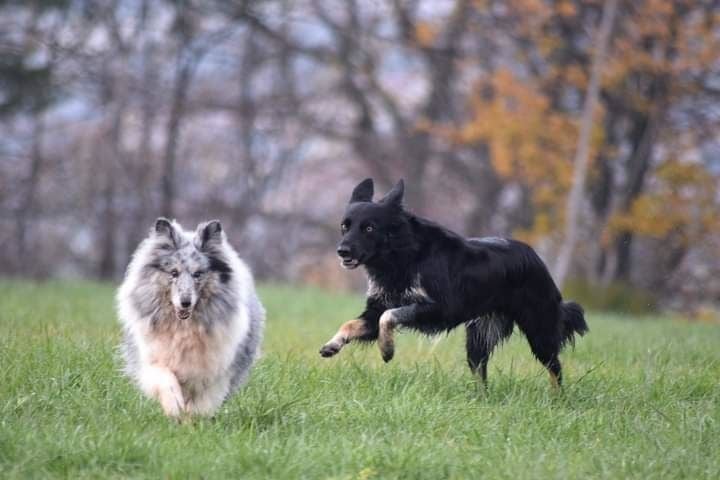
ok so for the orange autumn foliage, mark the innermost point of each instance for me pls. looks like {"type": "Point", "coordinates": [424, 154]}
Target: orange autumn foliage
{"type": "Point", "coordinates": [683, 204]}
{"type": "Point", "coordinates": [531, 140]}
{"type": "Point", "coordinates": [425, 34]}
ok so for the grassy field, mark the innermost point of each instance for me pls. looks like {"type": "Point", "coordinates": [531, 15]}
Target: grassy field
{"type": "Point", "coordinates": [641, 400]}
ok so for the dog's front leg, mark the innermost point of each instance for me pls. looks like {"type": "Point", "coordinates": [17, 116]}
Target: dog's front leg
{"type": "Point", "coordinates": [411, 315]}
{"type": "Point", "coordinates": [162, 384]}
{"type": "Point", "coordinates": [209, 398]}
{"type": "Point", "coordinates": [349, 331]}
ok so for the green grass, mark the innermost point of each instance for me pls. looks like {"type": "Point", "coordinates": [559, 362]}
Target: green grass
{"type": "Point", "coordinates": [641, 401]}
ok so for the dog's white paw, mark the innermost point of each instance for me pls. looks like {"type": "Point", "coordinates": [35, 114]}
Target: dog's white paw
{"type": "Point", "coordinates": [172, 402]}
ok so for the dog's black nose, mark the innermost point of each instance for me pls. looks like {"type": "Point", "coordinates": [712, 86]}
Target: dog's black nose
{"type": "Point", "coordinates": [185, 303]}
{"type": "Point", "coordinates": [343, 251]}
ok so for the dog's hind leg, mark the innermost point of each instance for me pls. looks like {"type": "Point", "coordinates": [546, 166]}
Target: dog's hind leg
{"type": "Point", "coordinates": [477, 352]}
{"type": "Point", "coordinates": [546, 349]}
{"type": "Point", "coordinates": [161, 384]}
{"type": "Point", "coordinates": [482, 335]}
{"type": "Point", "coordinates": [552, 363]}
{"type": "Point", "coordinates": [540, 326]}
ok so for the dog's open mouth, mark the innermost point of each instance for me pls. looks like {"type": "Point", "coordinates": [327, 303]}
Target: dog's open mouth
{"type": "Point", "coordinates": [350, 263]}
{"type": "Point", "coordinates": [183, 313]}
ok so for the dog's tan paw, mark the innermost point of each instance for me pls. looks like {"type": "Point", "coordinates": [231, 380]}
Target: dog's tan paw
{"type": "Point", "coordinates": [330, 349]}
{"type": "Point", "coordinates": [387, 350]}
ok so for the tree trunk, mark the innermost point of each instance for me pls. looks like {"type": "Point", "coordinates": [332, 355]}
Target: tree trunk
{"type": "Point", "coordinates": [143, 210]}
{"type": "Point", "coordinates": [177, 111]}
{"type": "Point", "coordinates": [25, 210]}
{"type": "Point", "coordinates": [581, 161]}
{"type": "Point", "coordinates": [618, 259]}
{"type": "Point", "coordinates": [106, 269]}
{"type": "Point", "coordinates": [109, 219]}
{"type": "Point", "coordinates": [483, 183]}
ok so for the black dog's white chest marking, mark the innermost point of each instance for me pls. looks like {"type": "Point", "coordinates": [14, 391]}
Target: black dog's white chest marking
{"type": "Point", "coordinates": [415, 293]}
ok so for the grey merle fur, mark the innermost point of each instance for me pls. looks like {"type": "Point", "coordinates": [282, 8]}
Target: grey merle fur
{"type": "Point", "coordinates": [189, 310]}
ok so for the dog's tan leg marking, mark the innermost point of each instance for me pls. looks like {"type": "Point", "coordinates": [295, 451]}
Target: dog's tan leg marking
{"type": "Point", "coordinates": [386, 336]}
{"type": "Point", "coordinates": [554, 381]}
{"type": "Point", "coordinates": [161, 384]}
{"type": "Point", "coordinates": [347, 332]}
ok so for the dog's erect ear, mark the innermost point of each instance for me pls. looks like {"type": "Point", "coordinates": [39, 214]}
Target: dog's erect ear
{"type": "Point", "coordinates": [395, 195]}
{"type": "Point", "coordinates": [165, 229]}
{"type": "Point", "coordinates": [363, 192]}
{"type": "Point", "coordinates": [208, 234]}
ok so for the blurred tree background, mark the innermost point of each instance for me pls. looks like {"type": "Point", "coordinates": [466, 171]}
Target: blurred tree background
{"type": "Point", "coordinates": [265, 114]}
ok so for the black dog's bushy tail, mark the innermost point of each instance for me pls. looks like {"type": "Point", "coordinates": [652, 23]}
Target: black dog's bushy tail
{"type": "Point", "coordinates": [572, 317]}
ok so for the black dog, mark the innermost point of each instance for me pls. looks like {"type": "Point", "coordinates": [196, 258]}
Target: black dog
{"type": "Point", "coordinates": [425, 277]}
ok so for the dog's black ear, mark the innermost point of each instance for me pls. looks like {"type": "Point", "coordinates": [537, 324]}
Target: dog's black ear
{"type": "Point", "coordinates": [395, 195]}
{"type": "Point", "coordinates": [363, 192]}
{"type": "Point", "coordinates": [165, 229]}
{"type": "Point", "coordinates": [208, 234]}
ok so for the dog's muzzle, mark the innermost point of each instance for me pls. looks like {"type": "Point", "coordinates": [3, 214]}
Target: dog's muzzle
{"type": "Point", "coordinates": [183, 313]}
{"type": "Point", "coordinates": [346, 258]}
{"type": "Point", "coordinates": [349, 263]}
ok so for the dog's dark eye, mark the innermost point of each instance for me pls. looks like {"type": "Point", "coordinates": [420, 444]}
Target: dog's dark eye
{"type": "Point", "coordinates": [343, 227]}
{"type": "Point", "coordinates": [174, 273]}
{"type": "Point", "coordinates": [197, 274]}
{"type": "Point", "coordinates": [369, 228]}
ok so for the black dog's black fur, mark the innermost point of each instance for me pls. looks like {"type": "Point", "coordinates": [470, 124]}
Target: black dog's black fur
{"type": "Point", "coordinates": [425, 277]}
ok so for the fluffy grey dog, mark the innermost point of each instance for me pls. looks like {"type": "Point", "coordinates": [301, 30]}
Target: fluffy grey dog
{"type": "Point", "coordinates": [191, 317]}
